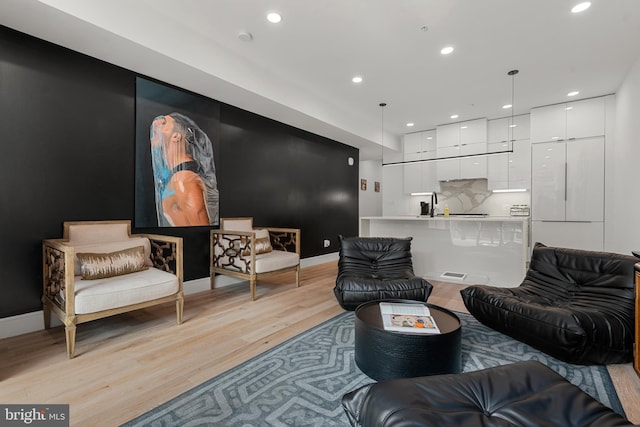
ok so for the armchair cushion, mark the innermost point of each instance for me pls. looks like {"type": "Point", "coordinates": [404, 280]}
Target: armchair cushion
{"type": "Point", "coordinates": [101, 265]}
{"type": "Point", "coordinates": [92, 296]}
{"type": "Point", "coordinates": [262, 243]}
{"type": "Point", "coordinates": [276, 260]}
{"type": "Point", "coordinates": [108, 247]}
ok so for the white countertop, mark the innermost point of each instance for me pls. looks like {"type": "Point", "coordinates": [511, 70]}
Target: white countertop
{"type": "Point", "coordinates": [447, 218]}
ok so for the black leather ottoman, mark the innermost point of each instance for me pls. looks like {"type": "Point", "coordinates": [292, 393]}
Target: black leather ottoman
{"type": "Point", "coordinates": [520, 394]}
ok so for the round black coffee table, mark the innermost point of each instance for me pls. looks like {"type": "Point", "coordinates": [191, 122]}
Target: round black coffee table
{"type": "Point", "coordinates": [383, 354]}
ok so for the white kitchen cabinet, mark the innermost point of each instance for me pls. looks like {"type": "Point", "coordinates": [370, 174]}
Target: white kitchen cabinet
{"type": "Point", "coordinates": [473, 131]}
{"type": "Point", "coordinates": [448, 135]}
{"type": "Point", "coordinates": [520, 165]}
{"type": "Point", "coordinates": [585, 118]}
{"type": "Point", "coordinates": [577, 119]}
{"type": "Point", "coordinates": [476, 166]}
{"type": "Point", "coordinates": [509, 170]}
{"type": "Point", "coordinates": [460, 139]}
{"type": "Point", "coordinates": [419, 177]}
{"type": "Point", "coordinates": [568, 180]}
{"type": "Point", "coordinates": [500, 130]}
{"type": "Point", "coordinates": [567, 193]}
{"type": "Point", "coordinates": [548, 123]}
{"type": "Point", "coordinates": [448, 169]}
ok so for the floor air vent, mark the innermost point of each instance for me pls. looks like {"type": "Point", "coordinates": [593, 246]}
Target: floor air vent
{"type": "Point", "coordinates": [453, 275]}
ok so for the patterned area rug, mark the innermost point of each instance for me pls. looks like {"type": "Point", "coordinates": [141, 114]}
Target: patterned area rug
{"type": "Point", "coordinates": [301, 382]}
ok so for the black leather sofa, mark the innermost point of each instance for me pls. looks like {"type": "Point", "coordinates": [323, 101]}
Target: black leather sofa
{"type": "Point", "coordinates": [373, 268]}
{"type": "Point", "coordinates": [575, 305]}
{"type": "Point", "coordinates": [525, 394]}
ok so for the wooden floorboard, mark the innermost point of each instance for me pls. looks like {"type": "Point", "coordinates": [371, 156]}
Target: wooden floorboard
{"type": "Point", "coordinates": [128, 364]}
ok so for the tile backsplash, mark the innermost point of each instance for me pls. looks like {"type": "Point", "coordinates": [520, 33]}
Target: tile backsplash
{"type": "Point", "coordinates": [472, 196]}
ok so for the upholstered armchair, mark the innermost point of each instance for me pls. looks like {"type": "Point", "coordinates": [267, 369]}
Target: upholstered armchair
{"type": "Point", "coordinates": [375, 268]}
{"type": "Point", "coordinates": [240, 250]}
{"type": "Point", "coordinates": [99, 269]}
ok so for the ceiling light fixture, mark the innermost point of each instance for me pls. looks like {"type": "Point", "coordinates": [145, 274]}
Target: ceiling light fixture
{"type": "Point", "coordinates": [507, 106]}
{"type": "Point", "coordinates": [454, 116]}
{"type": "Point", "coordinates": [274, 17]}
{"type": "Point", "coordinates": [573, 93]}
{"type": "Point", "coordinates": [410, 124]}
{"type": "Point", "coordinates": [446, 50]}
{"type": "Point", "coordinates": [581, 7]}
{"type": "Point", "coordinates": [357, 79]}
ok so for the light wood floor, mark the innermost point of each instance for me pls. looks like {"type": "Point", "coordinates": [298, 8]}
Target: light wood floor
{"type": "Point", "coordinates": [128, 364]}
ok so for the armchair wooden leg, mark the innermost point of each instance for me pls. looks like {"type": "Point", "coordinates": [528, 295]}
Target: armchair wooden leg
{"type": "Point", "coordinates": [70, 332]}
{"type": "Point", "coordinates": [212, 277]}
{"type": "Point", "coordinates": [252, 285]}
{"type": "Point", "coordinates": [46, 311]}
{"type": "Point", "coordinates": [298, 276]}
{"type": "Point", "coordinates": [179, 309]}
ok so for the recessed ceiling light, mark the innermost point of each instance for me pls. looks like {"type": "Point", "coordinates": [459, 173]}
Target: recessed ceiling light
{"type": "Point", "coordinates": [513, 126]}
{"type": "Point", "coordinates": [429, 137]}
{"type": "Point", "coordinates": [507, 106]}
{"type": "Point", "coordinates": [410, 124]}
{"type": "Point", "coordinates": [446, 50]}
{"type": "Point", "coordinates": [581, 7]}
{"type": "Point", "coordinates": [463, 127]}
{"type": "Point", "coordinates": [274, 17]}
{"type": "Point", "coordinates": [574, 93]}
{"type": "Point", "coordinates": [357, 79]}
{"type": "Point", "coordinates": [454, 116]}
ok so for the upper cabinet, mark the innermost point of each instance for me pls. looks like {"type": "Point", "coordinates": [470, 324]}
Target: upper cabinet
{"type": "Point", "coordinates": [571, 120]}
{"type": "Point", "coordinates": [419, 177]}
{"type": "Point", "coordinates": [511, 169]}
{"type": "Point", "coordinates": [503, 130]}
{"type": "Point", "coordinates": [462, 139]}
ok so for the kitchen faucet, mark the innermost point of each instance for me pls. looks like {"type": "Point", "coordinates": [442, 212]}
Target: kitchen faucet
{"type": "Point", "coordinates": [434, 200]}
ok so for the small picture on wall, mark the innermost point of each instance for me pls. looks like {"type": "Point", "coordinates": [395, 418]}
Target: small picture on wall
{"type": "Point", "coordinates": [363, 184]}
{"type": "Point", "coordinates": [376, 186]}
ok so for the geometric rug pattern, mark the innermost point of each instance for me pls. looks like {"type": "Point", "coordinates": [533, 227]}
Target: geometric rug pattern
{"type": "Point", "coordinates": [301, 381]}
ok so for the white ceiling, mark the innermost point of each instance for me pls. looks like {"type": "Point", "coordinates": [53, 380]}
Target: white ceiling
{"type": "Point", "coordinates": [299, 71]}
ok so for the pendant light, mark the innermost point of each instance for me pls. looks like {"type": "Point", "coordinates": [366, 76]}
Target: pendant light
{"type": "Point", "coordinates": [510, 137]}
{"type": "Point", "coordinates": [382, 105]}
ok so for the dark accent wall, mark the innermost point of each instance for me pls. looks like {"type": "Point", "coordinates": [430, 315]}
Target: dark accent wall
{"type": "Point", "coordinates": [67, 153]}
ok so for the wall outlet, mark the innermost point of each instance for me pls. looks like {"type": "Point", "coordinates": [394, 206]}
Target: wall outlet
{"type": "Point", "coordinates": [326, 243]}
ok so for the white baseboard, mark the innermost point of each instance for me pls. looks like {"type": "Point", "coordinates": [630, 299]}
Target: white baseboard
{"type": "Point", "coordinates": [34, 321]}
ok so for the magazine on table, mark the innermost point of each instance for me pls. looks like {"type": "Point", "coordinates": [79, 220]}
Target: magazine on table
{"type": "Point", "coordinates": [415, 318]}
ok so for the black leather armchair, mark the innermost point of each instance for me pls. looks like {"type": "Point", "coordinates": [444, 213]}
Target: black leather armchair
{"type": "Point", "coordinates": [526, 394]}
{"type": "Point", "coordinates": [576, 305]}
{"type": "Point", "coordinates": [373, 268]}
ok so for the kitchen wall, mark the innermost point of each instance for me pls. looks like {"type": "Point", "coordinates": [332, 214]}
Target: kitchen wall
{"type": "Point", "coordinates": [370, 201]}
{"type": "Point", "coordinates": [622, 176]}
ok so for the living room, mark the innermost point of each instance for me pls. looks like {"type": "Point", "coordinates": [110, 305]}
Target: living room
{"type": "Point", "coordinates": [73, 159]}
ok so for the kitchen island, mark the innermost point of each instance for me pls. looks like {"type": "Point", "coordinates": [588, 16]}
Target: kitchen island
{"type": "Point", "coordinates": [467, 249]}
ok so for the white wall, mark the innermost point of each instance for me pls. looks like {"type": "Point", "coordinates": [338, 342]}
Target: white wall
{"type": "Point", "coordinates": [622, 166]}
{"type": "Point", "coordinates": [370, 201]}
